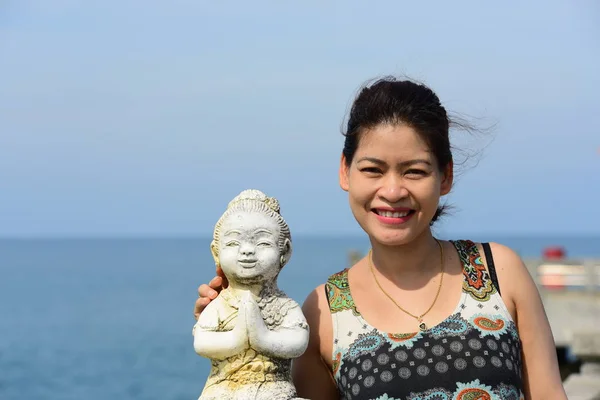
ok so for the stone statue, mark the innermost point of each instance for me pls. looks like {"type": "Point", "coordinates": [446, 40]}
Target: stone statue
{"type": "Point", "coordinates": [252, 331]}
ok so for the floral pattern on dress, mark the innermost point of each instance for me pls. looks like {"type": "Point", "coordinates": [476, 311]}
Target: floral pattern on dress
{"type": "Point", "coordinates": [475, 353]}
{"type": "Point", "coordinates": [477, 282]}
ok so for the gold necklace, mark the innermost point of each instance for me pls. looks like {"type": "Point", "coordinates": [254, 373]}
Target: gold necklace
{"type": "Point", "coordinates": [419, 318]}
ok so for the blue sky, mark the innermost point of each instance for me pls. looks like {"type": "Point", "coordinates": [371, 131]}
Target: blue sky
{"type": "Point", "coordinates": [146, 117]}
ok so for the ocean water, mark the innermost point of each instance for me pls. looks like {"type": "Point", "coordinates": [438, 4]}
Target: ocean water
{"type": "Point", "coordinates": [112, 319]}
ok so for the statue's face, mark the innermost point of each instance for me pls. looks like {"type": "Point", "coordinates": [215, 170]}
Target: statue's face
{"type": "Point", "coordinates": [249, 247]}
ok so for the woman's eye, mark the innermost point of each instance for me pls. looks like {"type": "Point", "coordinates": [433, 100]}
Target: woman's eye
{"type": "Point", "coordinates": [416, 172]}
{"type": "Point", "coordinates": [371, 170]}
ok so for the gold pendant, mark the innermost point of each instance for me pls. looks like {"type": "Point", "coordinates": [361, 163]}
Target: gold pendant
{"type": "Point", "coordinates": [422, 325]}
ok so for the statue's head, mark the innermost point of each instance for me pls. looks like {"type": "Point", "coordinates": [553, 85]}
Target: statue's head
{"type": "Point", "coordinates": [251, 240]}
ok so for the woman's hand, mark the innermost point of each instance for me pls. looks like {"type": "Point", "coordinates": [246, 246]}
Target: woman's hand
{"type": "Point", "coordinates": [207, 293]}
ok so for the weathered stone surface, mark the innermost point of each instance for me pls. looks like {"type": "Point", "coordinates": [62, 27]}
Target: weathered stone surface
{"type": "Point", "coordinates": [586, 384]}
{"type": "Point", "coordinates": [573, 304]}
{"type": "Point", "coordinates": [586, 345]}
{"type": "Point", "coordinates": [252, 331]}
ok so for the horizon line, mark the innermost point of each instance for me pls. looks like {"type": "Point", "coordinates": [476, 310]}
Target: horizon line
{"type": "Point", "coordinates": [324, 235]}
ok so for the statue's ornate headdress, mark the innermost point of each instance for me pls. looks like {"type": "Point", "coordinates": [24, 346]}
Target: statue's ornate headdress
{"type": "Point", "coordinates": [255, 195]}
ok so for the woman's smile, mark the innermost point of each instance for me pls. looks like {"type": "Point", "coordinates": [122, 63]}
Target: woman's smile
{"type": "Point", "coordinates": [393, 216]}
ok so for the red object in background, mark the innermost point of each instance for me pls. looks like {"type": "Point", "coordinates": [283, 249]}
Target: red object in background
{"type": "Point", "coordinates": [554, 253]}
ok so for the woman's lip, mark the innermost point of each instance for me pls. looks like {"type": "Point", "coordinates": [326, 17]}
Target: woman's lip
{"type": "Point", "coordinates": [393, 209]}
{"type": "Point", "coordinates": [394, 220]}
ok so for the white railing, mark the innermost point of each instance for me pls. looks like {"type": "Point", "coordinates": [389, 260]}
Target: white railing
{"type": "Point", "coordinates": [560, 275]}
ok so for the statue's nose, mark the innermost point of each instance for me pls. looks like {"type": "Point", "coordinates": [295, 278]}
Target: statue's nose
{"type": "Point", "coordinates": [247, 249]}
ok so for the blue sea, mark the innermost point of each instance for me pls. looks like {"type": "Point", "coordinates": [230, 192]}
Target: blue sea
{"type": "Point", "coordinates": [112, 318]}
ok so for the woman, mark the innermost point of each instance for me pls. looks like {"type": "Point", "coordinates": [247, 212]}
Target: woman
{"type": "Point", "coordinates": [417, 318]}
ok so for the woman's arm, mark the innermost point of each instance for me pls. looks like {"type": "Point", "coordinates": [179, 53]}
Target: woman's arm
{"type": "Point", "coordinates": [311, 374]}
{"type": "Point", "coordinates": [541, 374]}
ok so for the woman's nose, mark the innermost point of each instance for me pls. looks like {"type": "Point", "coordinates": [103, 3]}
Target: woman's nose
{"type": "Point", "coordinates": [393, 190]}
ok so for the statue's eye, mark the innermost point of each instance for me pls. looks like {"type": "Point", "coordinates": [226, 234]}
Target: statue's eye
{"type": "Point", "coordinates": [264, 244]}
{"type": "Point", "coordinates": [232, 243]}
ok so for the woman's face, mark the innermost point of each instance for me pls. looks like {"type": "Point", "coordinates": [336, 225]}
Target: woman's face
{"type": "Point", "coordinates": [394, 184]}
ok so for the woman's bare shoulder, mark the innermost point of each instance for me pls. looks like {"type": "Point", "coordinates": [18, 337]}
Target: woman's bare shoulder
{"type": "Point", "coordinates": [513, 276]}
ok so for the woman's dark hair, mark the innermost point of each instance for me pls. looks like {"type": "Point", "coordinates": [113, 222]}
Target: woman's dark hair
{"type": "Point", "coordinates": [392, 101]}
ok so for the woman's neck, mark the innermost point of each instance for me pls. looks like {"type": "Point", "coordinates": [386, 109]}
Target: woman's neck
{"type": "Point", "coordinates": [409, 262]}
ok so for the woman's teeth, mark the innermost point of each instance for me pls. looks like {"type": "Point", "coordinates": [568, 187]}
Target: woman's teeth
{"type": "Point", "coordinates": [393, 214]}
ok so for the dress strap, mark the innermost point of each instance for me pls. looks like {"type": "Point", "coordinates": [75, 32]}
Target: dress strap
{"type": "Point", "coordinates": [477, 281]}
{"type": "Point", "coordinates": [338, 293]}
{"type": "Point", "coordinates": [491, 267]}
{"type": "Point", "coordinates": [344, 315]}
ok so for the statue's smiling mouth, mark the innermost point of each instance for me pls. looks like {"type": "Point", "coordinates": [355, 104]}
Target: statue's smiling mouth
{"type": "Point", "coordinates": [247, 263]}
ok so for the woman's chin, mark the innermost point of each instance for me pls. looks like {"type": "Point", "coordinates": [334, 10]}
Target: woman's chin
{"type": "Point", "coordinates": [392, 242]}
{"type": "Point", "coordinates": [395, 237]}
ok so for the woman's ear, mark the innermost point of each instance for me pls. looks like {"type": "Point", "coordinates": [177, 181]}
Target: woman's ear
{"type": "Point", "coordinates": [447, 179]}
{"type": "Point", "coordinates": [343, 174]}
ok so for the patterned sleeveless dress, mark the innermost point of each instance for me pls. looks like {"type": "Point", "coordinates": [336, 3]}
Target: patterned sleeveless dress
{"type": "Point", "coordinates": [475, 353]}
